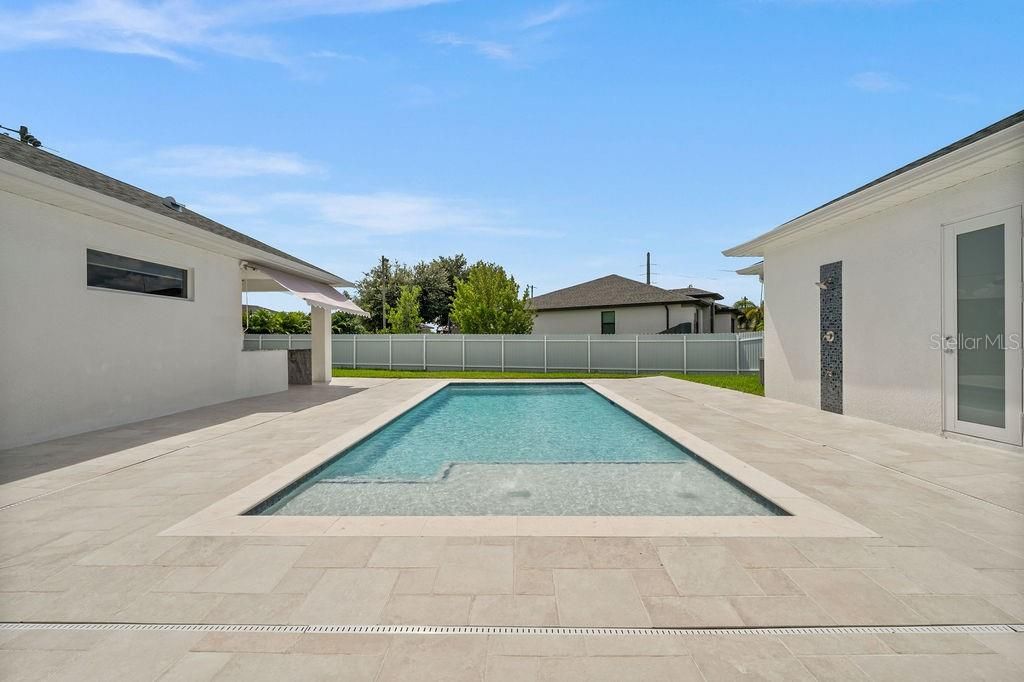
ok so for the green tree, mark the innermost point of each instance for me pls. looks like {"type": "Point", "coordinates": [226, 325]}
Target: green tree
{"type": "Point", "coordinates": [436, 280]}
{"type": "Point", "coordinates": [295, 322]}
{"type": "Point", "coordinates": [343, 323]}
{"type": "Point", "coordinates": [751, 316]}
{"type": "Point", "coordinates": [381, 286]}
{"type": "Point", "coordinates": [405, 318]}
{"type": "Point", "coordinates": [487, 301]}
{"type": "Point", "coordinates": [263, 322]}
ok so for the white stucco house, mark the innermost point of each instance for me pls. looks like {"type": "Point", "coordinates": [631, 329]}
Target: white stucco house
{"type": "Point", "coordinates": [900, 301]}
{"type": "Point", "coordinates": [120, 305]}
{"type": "Point", "coordinates": [618, 305]}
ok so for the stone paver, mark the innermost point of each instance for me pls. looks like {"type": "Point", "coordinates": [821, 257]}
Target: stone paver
{"type": "Point", "coordinates": [707, 571]}
{"type": "Point", "coordinates": [347, 595]}
{"type": "Point", "coordinates": [950, 549]}
{"type": "Point", "coordinates": [577, 593]}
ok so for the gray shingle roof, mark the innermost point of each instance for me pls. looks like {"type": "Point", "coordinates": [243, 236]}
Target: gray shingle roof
{"type": "Point", "coordinates": [698, 293]}
{"type": "Point", "coordinates": [613, 290]}
{"type": "Point", "coordinates": [69, 171]}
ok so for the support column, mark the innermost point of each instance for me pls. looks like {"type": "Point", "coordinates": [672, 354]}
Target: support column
{"type": "Point", "coordinates": [320, 329]}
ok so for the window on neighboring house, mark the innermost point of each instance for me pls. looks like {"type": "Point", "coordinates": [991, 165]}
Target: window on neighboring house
{"type": "Point", "coordinates": [110, 271]}
{"type": "Point", "coordinates": [608, 322]}
{"type": "Point", "coordinates": [686, 328]}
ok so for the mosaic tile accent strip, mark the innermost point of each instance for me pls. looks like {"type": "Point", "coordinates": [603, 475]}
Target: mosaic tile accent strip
{"type": "Point", "coordinates": [831, 334]}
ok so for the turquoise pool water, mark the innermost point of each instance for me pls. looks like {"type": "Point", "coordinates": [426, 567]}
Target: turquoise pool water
{"type": "Point", "coordinates": [508, 449]}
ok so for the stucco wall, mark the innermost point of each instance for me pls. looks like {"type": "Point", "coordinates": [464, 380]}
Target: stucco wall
{"type": "Point", "coordinates": [723, 323]}
{"type": "Point", "coordinates": [75, 359]}
{"type": "Point", "coordinates": [891, 304]}
{"type": "Point", "coordinates": [640, 319]}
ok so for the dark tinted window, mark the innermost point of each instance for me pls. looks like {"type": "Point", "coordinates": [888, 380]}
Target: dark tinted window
{"type": "Point", "coordinates": [111, 271]}
{"type": "Point", "coordinates": [608, 322]}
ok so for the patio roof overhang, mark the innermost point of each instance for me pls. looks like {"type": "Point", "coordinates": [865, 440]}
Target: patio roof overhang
{"type": "Point", "coordinates": [257, 277]}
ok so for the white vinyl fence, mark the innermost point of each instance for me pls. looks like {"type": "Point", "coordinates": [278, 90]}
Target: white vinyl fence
{"type": "Point", "coordinates": [734, 353]}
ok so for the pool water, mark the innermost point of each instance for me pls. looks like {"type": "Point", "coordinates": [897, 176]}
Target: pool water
{"type": "Point", "coordinates": [517, 449]}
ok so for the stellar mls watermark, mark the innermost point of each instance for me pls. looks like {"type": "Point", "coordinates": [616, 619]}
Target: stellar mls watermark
{"type": "Point", "coordinates": [1001, 342]}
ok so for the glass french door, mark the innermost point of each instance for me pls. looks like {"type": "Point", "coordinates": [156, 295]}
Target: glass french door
{"type": "Point", "coordinates": [981, 336]}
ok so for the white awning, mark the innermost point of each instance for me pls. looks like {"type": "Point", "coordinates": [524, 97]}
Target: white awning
{"type": "Point", "coordinates": [313, 293]}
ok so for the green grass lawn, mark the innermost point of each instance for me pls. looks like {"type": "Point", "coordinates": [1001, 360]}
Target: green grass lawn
{"type": "Point", "coordinates": [747, 383]}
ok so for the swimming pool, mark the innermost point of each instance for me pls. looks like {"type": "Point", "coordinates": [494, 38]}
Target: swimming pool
{"type": "Point", "coordinates": [516, 449]}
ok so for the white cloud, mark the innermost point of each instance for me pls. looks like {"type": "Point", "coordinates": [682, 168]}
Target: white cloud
{"type": "Point", "coordinates": [518, 39]}
{"type": "Point", "coordinates": [172, 29]}
{"type": "Point", "coordinates": [210, 161]}
{"type": "Point", "coordinates": [334, 54]}
{"type": "Point", "coordinates": [876, 81]}
{"type": "Point", "coordinates": [392, 212]}
{"type": "Point", "coordinates": [487, 48]}
{"type": "Point", "coordinates": [549, 16]}
{"type": "Point", "coordinates": [327, 217]}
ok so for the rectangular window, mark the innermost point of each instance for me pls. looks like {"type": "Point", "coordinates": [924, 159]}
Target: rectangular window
{"type": "Point", "coordinates": [608, 322]}
{"type": "Point", "coordinates": [110, 271]}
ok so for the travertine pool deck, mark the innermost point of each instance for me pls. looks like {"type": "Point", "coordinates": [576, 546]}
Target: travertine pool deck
{"type": "Point", "coordinates": [83, 539]}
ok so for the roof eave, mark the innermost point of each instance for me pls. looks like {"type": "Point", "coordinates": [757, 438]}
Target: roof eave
{"type": "Point", "coordinates": [755, 269]}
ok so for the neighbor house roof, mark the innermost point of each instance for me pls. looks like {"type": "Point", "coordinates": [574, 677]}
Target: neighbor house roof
{"type": "Point", "coordinates": [605, 292]}
{"type": "Point", "coordinates": [38, 160]}
{"type": "Point", "coordinates": [699, 293]}
{"type": "Point", "coordinates": [996, 146]}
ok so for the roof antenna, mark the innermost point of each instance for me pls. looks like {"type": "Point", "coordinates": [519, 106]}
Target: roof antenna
{"type": "Point", "coordinates": [648, 267]}
{"type": "Point", "coordinates": [25, 136]}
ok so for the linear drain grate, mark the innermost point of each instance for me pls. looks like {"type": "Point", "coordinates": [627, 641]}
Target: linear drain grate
{"type": "Point", "coordinates": [524, 630]}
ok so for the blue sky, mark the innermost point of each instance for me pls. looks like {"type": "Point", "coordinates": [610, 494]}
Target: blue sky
{"type": "Point", "coordinates": [560, 138]}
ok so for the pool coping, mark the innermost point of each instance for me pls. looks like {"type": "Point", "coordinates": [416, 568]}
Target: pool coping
{"type": "Point", "coordinates": [808, 517]}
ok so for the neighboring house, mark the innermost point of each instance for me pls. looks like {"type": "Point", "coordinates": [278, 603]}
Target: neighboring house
{"type": "Point", "coordinates": [901, 300]}
{"type": "Point", "coordinates": [123, 306]}
{"type": "Point", "coordinates": [617, 305]}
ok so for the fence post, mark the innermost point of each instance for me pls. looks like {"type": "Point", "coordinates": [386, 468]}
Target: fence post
{"type": "Point", "coordinates": [354, 351]}
{"type": "Point", "coordinates": [424, 352]}
{"type": "Point", "coordinates": [261, 341]}
{"type": "Point", "coordinates": [636, 356]}
{"type": "Point", "coordinates": [463, 352]}
{"type": "Point", "coordinates": [737, 353]}
{"type": "Point", "coordinates": [684, 353]}
{"type": "Point", "coordinates": [389, 351]}
{"type": "Point", "coordinates": [588, 353]}
{"type": "Point", "coordinates": [289, 342]}
{"type": "Point", "coordinates": [545, 353]}
{"type": "Point", "coordinates": [503, 353]}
